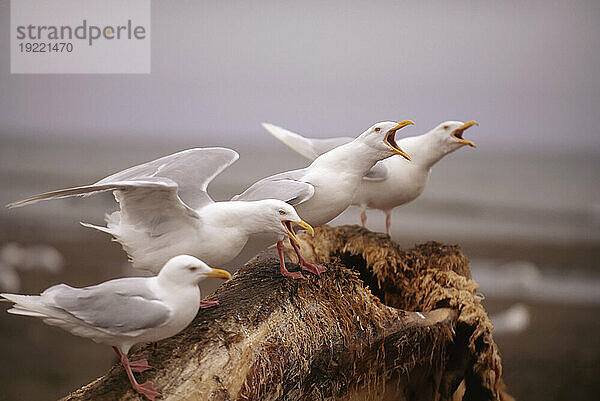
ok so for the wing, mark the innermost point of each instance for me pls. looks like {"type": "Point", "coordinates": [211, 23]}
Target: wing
{"type": "Point", "coordinates": [287, 187]}
{"type": "Point", "coordinates": [118, 306]}
{"type": "Point", "coordinates": [146, 203]}
{"type": "Point", "coordinates": [311, 148]}
{"type": "Point", "coordinates": [189, 171]}
{"type": "Point", "coordinates": [379, 172]}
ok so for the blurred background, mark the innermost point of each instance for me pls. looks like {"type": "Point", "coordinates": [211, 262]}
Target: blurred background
{"type": "Point", "coordinates": [524, 205]}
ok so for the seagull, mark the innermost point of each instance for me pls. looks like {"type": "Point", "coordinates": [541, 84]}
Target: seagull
{"type": "Point", "coordinates": [391, 182]}
{"type": "Point", "coordinates": [125, 311]}
{"type": "Point", "coordinates": [165, 210]}
{"type": "Point", "coordinates": [324, 189]}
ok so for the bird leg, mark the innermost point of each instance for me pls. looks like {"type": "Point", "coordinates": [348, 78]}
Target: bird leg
{"type": "Point", "coordinates": [208, 304]}
{"type": "Point", "coordinates": [285, 271]}
{"type": "Point", "coordinates": [388, 222]}
{"type": "Point", "coordinates": [139, 366]}
{"type": "Point", "coordinates": [146, 388]}
{"type": "Point", "coordinates": [309, 266]}
{"type": "Point", "coordinates": [363, 217]}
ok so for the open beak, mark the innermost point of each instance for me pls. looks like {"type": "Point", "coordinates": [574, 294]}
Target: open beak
{"type": "Point", "coordinates": [218, 273]}
{"type": "Point", "coordinates": [458, 133]}
{"type": "Point", "coordinates": [390, 138]}
{"type": "Point", "coordinates": [288, 227]}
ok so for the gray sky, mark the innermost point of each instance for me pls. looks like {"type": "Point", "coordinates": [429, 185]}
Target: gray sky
{"type": "Point", "coordinates": [526, 72]}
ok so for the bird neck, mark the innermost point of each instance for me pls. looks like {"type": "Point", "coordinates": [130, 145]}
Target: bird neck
{"type": "Point", "coordinates": [168, 279]}
{"type": "Point", "coordinates": [353, 157]}
{"type": "Point", "coordinates": [243, 216]}
{"type": "Point", "coordinates": [425, 150]}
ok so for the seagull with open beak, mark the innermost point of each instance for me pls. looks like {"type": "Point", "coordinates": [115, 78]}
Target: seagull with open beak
{"type": "Point", "coordinates": [165, 211]}
{"type": "Point", "coordinates": [324, 189]}
{"type": "Point", "coordinates": [394, 181]}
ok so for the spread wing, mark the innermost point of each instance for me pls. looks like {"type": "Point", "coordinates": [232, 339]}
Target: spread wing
{"type": "Point", "coordinates": [287, 187]}
{"type": "Point", "coordinates": [188, 172]}
{"type": "Point", "coordinates": [146, 203]}
{"type": "Point", "coordinates": [191, 169]}
{"type": "Point", "coordinates": [121, 306]}
{"type": "Point", "coordinates": [311, 148]}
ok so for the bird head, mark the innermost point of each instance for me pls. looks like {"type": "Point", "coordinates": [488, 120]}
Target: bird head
{"type": "Point", "coordinates": [382, 136]}
{"type": "Point", "coordinates": [186, 269]}
{"type": "Point", "coordinates": [280, 218]}
{"type": "Point", "coordinates": [450, 134]}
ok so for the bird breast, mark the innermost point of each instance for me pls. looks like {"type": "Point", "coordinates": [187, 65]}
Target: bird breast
{"type": "Point", "coordinates": [333, 193]}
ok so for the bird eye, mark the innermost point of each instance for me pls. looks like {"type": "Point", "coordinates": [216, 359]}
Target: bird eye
{"type": "Point", "coordinates": [446, 127]}
{"type": "Point", "coordinates": [192, 268]}
{"type": "Point", "coordinates": [377, 129]}
{"type": "Point", "coordinates": [281, 212]}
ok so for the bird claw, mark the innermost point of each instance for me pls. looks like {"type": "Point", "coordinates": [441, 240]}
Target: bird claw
{"type": "Point", "coordinates": [208, 304]}
{"type": "Point", "coordinates": [139, 366]}
{"type": "Point", "coordinates": [315, 268]}
{"type": "Point", "coordinates": [294, 275]}
{"type": "Point", "coordinates": [147, 390]}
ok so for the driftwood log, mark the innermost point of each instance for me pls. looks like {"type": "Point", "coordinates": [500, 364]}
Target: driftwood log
{"type": "Point", "coordinates": [381, 324]}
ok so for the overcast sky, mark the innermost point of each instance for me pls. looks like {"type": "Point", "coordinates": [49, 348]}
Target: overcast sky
{"type": "Point", "coordinates": [527, 71]}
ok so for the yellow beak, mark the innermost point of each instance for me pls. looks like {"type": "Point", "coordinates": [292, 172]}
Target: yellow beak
{"type": "Point", "coordinates": [390, 141]}
{"type": "Point", "coordinates": [302, 224]}
{"type": "Point", "coordinates": [218, 273]}
{"type": "Point", "coordinates": [457, 133]}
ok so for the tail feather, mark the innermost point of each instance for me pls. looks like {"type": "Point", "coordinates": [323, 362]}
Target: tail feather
{"type": "Point", "coordinates": [27, 305]}
{"type": "Point", "coordinates": [24, 312]}
{"type": "Point", "coordinates": [99, 228]}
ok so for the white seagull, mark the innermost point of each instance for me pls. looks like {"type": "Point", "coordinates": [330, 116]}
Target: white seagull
{"type": "Point", "coordinates": [126, 311]}
{"type": "Point", "coordinates": [325, 188]}
{"type": "Point", "coordinates": [394, 181]}
{"type": "Point", "coordinates": [166, 210]}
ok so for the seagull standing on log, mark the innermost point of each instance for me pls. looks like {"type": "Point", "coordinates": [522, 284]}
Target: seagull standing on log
{"type": "Point", "coordinates": [125, 311]}
{"type": "Point", "coordinates": [324, 189]}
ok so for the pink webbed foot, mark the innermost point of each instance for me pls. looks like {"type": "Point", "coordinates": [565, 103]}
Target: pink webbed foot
{"type": "Point", "coordinates": [308, 266]}
{"type": "Point", "coordinates": [147, 390]}
{"type": "Point", "coordinates": [139, 366]}
{"type": "Point", "coordinates": [292, 274]}
{"type": "Point", "coordinates": [208, 304]}
{"type": "Point", "coordinates": [315, 268]}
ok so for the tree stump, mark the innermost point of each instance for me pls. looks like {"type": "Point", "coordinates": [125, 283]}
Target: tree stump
{"type": "Point", "coordinates": [380, 324]}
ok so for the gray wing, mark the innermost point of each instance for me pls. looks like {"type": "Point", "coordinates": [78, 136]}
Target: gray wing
{"type": "Point", "coordinates": [150, 204]}
{"type": "Point", "coordinates": [116, 306]}
{"type": "Point", "coordinates": [379, 172]}
{"type": "Point", "coordinates": [311, 148]}
{"type": "Point", "coordinates": [186, 174]}
{"type": "Point", "coordinates": [191, 169]}
{"type": "Point", "coordinates": [287, 187]}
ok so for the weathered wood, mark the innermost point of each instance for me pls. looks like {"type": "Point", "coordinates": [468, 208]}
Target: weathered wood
{"type": "Point", "coordinates": [325, 338]}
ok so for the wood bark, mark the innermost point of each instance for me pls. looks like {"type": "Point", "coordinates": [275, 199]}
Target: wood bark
{"type": "Point", "coordinates": [338, 336]}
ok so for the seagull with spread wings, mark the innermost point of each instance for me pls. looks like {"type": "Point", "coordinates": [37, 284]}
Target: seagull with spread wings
{"type": "Point", "coordinates": [165, 210]}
